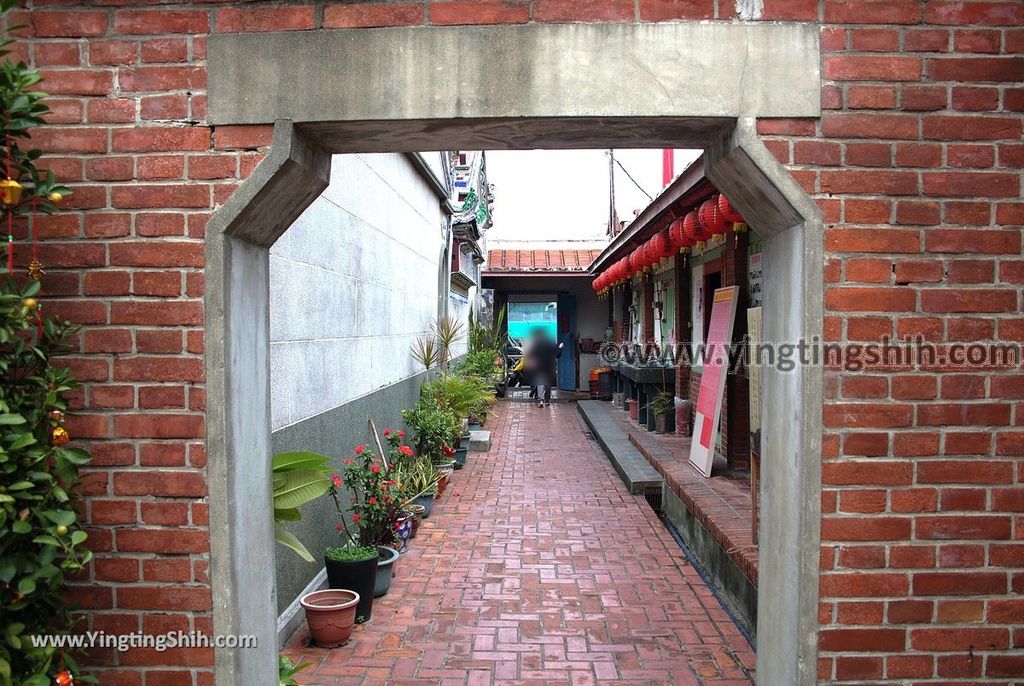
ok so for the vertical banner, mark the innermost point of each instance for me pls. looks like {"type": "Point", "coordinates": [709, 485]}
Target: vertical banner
{"type": "Point", "coordinates": [754, 378]}
{"type": "Point", "coordinates": [754, 337]}
{"type": "Point", "coordinates": [712, 380]}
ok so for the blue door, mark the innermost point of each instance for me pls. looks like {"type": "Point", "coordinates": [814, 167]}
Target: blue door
{"type": "Point", "coordinates": [567, 335]}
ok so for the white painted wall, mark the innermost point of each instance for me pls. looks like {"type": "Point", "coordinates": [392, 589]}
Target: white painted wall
{"type": "Point", "coordinates": [353, 283]}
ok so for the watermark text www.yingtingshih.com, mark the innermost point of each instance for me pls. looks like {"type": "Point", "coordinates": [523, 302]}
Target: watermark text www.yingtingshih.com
{"type": "Point", "coordinates": [158, 642]}
{"type": "Point", "coordinates": [907, 354]}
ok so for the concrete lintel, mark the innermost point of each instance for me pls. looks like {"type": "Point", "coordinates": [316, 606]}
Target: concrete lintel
{"type": "Point", "coordinates": [678, 69]}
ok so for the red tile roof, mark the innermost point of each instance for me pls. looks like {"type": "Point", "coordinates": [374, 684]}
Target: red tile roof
{"type": "Point", "coordinates": [533, 261]}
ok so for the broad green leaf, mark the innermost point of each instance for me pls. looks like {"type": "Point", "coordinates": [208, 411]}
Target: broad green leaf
{"type": "Point", "coordinates": [11, 419]}
{"type": "Point", "coordinates": [298, 460]}
{"type": "Point", "coordinates": [289, 515]}
{"type": "Point", "coordinates": [60, 517]}
{"type": "Point", "coordinates": [299, 488]}
{"type": "Point", "coordinates": [288, 540]}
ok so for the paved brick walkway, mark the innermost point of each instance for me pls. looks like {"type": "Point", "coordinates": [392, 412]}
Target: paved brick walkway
{"type": "Point", "coordinates": [537, 567]}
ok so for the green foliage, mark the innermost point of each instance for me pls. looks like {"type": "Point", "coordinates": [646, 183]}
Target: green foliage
{"type": "Point", "coordinates": [460, 394]}
{"type": "Point", "coordinates": [21, 109]}
{"type": "Point", "coordinates": [481, 365]}
{"type": "Point", "coordinates": [661, 404]}
{"type": "Point", "coordinates": [435, 349]}
{"type": "Point", "coordinates": [298, 478]}
{"type": "Point", "coordinates": [489, 338]}
{"type": "Point", "coordinates": [41, 537]}
{"type": "Point", "coordinates": [351, 553]}
{"type": "Point", "coordinates": [375, 496]}
{"type": "Point", "coordinates": [435, 427]}
{"type": "Point", "coordinates": [286, 670]}
{"type": "Point", "coordinates": [418, 478]}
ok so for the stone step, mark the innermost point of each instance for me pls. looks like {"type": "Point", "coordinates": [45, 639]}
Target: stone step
{"type": "Point", "coordinates": [480, 441]}
{"type": "Point", "coordinates": [636, 472]}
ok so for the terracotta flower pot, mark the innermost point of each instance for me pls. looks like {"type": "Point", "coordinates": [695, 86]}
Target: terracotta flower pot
{"type": "Point", "coordinates": [330, 614]}
{"type": "Point", "coordinates": [417, 517]}
{"type": "Point", "coordinates": [427, 502]}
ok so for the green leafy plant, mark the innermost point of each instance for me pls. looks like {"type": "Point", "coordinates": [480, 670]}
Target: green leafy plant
{"type": "Point", "coordinates": [486, 365]}
{"type": "Point", "coordinates": [425, 351]}
{"type": "Point", "coordinates": [375, 496]}
{"type": "Point", "coordinates": [434, 427]}
{"type": "Point", "coordinates": [41, 537]}
{"type": "Point", "coordinates": [434, 350]}
{"type": "Point", "coordinates": [448, 330]}
{"type": "Point", "coordinates": [418, 478]}
{"type": "Point", "coordinates": [298, 478]}
{"type": "Point", "coordinates": [286, 670]}
{"type": "Point", "coordinates": [661, 404]}
{"type": "Point", "coordinates": [489, 338]}
{"type": "Point", "coordinates": [461, 394]}
{"type": "Point", "coordinates": [351, 553]}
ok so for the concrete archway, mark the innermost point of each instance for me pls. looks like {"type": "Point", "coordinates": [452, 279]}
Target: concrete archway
{"type": "Point", "coordinates": [533, 86]}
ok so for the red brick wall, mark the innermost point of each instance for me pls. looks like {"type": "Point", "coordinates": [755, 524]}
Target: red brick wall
{"type": "Point", "coordinates": [915, 163]}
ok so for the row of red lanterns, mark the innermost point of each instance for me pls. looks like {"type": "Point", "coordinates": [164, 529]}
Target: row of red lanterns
{"type": "Point", "coordinates": [715, 216]}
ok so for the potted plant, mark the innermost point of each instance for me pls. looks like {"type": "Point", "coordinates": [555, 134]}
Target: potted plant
{"type": "Point", "coordinates": [417, 517]}
{"type": "Point", "coordinates": [330, 615]}
{"type": "Point", "coordinates": [663, 408]}
{"type": "Point", "coordinates": [298, 478]}
{"type": "Point", "coordinates": [419, 483]}
{"type": "Point", "coordinates": [369, 522]}
{"type": "Point", "coordinates": [634, 409]}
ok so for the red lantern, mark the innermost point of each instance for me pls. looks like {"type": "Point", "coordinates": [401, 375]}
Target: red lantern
{"type": "Point", "coordinates": [676, 235]}
{"type": "Point", "coordinates": [596, 284]}
{"type": "Point", "coordinates": [659, 246]}
{"type": "Point", "coordinates": [727, 210]}
{"type": "Point", "coordinates": [636, 261]}
{"type": "Point", "coordinates": [650, 253]}
{"type": "Point", "coordinates": [711, 218]}
{"type": "Point", "coordinates": [670, 248]}
{"type": "Point", "coordinates": [693, 228]}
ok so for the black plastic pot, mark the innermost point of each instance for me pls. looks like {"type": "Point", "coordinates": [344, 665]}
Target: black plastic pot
{"type": "Point", "coordinates": [359, 576]}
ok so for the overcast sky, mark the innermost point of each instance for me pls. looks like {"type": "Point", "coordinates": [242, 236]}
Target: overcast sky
{"type": "Point", "coordinates": [563, 194]}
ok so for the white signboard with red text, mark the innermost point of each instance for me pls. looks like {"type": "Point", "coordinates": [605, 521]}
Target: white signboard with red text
{"type": "Point", "coordinates": [712, 380]}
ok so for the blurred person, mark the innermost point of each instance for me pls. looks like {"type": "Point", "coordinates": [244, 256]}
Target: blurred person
{"type": "Point", "coordinates": [542, 355]}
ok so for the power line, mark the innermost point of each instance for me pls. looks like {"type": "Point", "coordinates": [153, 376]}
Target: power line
{"type": "Point", "coordinates": [630, 177]}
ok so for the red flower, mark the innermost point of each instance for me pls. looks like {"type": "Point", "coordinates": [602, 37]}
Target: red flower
{"type": "Point", "coordinates": [348, 460]}
{"type": "Point", "coordinates": [375, 469]}
{"type": "Point", "coordinates": [355, 518]}
{"type": "Point", "coordinates": [339, 527]}
{"type": "Point", "coordinates": [405, 450]}
{"type": "Point", "coordinates": [373, 501]}
{"type": "Point", "coordinates": [360, 449]}
{"type": "Point", "coordinates": [448, 452]}
{"type": "Point", "coordinates": [337, 480]}
{"type": "Point", "coordinates": [387, 432]}
{"type": "Point", "coordinates": [401, 433]}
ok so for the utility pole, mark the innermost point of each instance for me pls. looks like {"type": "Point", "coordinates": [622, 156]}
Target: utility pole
{"type": "Point", "coordinates": [613, 218]}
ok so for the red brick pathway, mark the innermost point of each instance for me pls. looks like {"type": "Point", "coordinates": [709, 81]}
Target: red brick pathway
{"type": "Point", "coordinates": [537, 567]}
